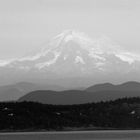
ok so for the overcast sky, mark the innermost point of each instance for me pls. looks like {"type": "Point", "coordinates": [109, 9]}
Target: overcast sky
{"type": "Point", "coordinates": [27, 24]}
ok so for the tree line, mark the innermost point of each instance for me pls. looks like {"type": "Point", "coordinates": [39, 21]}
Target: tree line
{"type": "Point", "coordinates": [118, 114]}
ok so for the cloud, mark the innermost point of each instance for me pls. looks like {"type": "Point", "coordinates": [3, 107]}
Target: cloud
{"type": "Point", "coordinates": [5, 62]}
{"type": "Point", "coordinates": [128, 57]}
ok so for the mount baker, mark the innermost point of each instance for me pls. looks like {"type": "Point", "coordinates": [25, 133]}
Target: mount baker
{"type": "Point", "coordinates": [72, 58]}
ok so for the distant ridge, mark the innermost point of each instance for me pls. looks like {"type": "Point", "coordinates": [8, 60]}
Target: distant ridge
{"type": "Point", "coordinates": [99, 92]}
{"type": "Point", "coordinates": [127, 86]}
{"type": "Point", "coordinates": [100, 87]}
{"type": "Point", "coordinates": [17, 90]}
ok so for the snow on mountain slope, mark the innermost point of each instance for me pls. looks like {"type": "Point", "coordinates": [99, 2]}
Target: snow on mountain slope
{"type": "Point", "coordinates": [73, 53]}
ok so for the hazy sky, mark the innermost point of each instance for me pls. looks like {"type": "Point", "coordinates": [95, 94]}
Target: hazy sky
{"type": "Point", "coordinates": [26, 25]}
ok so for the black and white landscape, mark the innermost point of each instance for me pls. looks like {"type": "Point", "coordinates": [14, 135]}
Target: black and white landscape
{"type": "Point", "coordinates": [69, 65]}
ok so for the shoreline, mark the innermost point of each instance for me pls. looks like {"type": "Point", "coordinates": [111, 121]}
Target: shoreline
{"type": "Point", "coordinates": [67, 131]}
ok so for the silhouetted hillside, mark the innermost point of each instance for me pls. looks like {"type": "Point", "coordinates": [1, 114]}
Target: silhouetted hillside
{"type": "Point", "coordinates": [62, 97]}
{"type": "Point", "coordinates": [76, 97]}
{"type": "Point", "coordinates": [99, 92]}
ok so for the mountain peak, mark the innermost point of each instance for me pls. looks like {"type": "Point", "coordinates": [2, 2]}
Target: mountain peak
{"type": "Point", "coordinates": [73, 35]}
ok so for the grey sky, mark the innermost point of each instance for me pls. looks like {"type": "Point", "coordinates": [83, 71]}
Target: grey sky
{"type": "Point", "coordinates": [27, 24]}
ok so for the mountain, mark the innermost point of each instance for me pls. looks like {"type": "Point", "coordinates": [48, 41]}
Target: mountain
{"type": "Point", "coordinates": [15, 91]}
{"type": "Point", "coordinates": [100, 92]}
{"type": "Point", "coordinates": [128, 86]}
{"type": "Point", "coordinates": [100, 87]}
{"type": "Point", "coordinates": [72, 59]}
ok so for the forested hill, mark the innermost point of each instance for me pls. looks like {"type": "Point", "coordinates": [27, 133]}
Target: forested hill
{"type": "Point", "coordinates": [29, 116]}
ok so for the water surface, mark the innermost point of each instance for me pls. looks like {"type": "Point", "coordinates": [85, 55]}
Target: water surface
{"type": "Point", "coordinates": [80, 135]}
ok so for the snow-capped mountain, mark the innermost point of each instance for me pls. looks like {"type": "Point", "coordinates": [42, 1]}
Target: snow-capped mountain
{"type": "Point", "coordinates": [73, 54]}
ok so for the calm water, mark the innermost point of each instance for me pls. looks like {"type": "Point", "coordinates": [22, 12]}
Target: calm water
{"type": "Point", "coordinates": [85, 135]}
